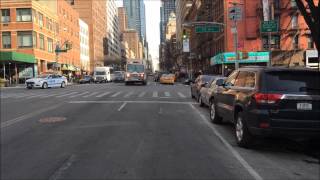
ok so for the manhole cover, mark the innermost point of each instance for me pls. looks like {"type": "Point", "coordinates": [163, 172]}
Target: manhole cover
{"type": "Point", "coordinates": [52, 119]}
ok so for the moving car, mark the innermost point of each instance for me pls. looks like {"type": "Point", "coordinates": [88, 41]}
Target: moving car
{"type": "Point", "coordinates": [47, 81]}
{"type": "Point", "coordinates": [208, 92]}
{"type": "Point", "coordinates": [158, 75]}
{"type": "Point", "coordinates": [269, 101]}
{"type": "Point", "coordinates": [86, 79]}
{"type": "Point", "coordinates": [135, 72]}
{"type": "Point", "coordinates": [167, 79]}
{"type": "Point", "coordinates": [200, 82]}
{"type": "Point", "coordinates": [118, 76]}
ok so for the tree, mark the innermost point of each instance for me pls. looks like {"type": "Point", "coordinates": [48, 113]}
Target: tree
{"type": "Point", "coordinates": [311, 13]}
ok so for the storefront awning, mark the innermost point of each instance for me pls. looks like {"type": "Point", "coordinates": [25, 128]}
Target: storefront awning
{"type": "Point", "coordinates": [230, 58]}
{"type": "Point", "coordinates": [17, 57]}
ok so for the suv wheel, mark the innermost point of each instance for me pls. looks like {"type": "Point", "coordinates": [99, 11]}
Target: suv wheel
{"type": "Point", "coordinates": [214, 117]}
{"type": "Point", "coordinates": [243, 136]}
{"type": "Point", "coordinates": [44, 85]}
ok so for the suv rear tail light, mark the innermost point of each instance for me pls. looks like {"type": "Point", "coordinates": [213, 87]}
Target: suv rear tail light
{"type": "Point", "coordinates": [267, 98]}
{"type": "Point", "coordinates": [264, 125]}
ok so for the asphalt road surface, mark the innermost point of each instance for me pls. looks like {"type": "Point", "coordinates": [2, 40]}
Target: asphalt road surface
{"type": "Point", "coordinates": [112, 131]}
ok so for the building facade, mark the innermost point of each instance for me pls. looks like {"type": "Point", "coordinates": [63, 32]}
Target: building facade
{"type": "Point", "coordinates": [29, 31]}
{"type": "Point", "coordinates": [68, 34]}
{"type": "Point", "coordinates": [123, 19]}
{"type": "Point", "coordinates": [167, 7]}
{"type": "Point", "coordinates": [94, 14]}
{"type": "Point", "coordinates": [131, 36]}
{"type": "Point", "coordinates": [84, 47]}
{"type": "Point", "coordinates": [113, 32]}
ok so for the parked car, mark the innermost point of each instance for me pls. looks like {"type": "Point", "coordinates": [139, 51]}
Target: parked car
{"type": "Point", "coordinates": [266, 101]}
{"type": "Point", "coordinates": [208, 92]}
{"type": "Point", "coordinates": [119, 76]}
{"type": "Point", "coordinates": [86, 79]}
{"type": "Point", "coordinates": [167, 79]}
{"type": "Point", "coordinates": [47, 81]}
{"type": "Point", "coordinates": [200, 82]}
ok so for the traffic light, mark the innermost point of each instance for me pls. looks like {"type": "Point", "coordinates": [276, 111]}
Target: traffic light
{"type": "Point", "coordinates": [184, 35]}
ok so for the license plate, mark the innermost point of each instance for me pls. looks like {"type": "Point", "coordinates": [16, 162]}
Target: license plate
{"type": "Point", "coordinates": [304, 106]}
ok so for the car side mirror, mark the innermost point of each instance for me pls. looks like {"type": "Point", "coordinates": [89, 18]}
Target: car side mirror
{"type": "Point", "coordinates": [220, 82]}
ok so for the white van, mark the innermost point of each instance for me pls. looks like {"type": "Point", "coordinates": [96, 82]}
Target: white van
{"type": "Point", "coordinates": [102, 74]}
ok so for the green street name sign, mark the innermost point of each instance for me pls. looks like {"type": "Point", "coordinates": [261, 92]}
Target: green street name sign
{"type": "Point", "coordinates": [61, 50]}
{"type": "Point", "coordinates": [207, 28]}
{"type": "Point", "coordinates": [269, 26]}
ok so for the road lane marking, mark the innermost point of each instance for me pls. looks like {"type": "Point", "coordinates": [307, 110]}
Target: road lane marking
{"type": "Point", "coordinates": [234, 152]}
{"type": "Point", "coordinates": [103, 94]}
{"type": "Point", "coordinates": [181, 95]}
{"type": "Point", "coordinates": [81, 94]}
{"type": "Point", "coordinates": [122, 106]}
{"type": "Point", "coordinates": [26, 116]}
{"type": "Point", "coordinates": [56, 94]}
{"type": "Point", "coordinates": [92, 94]}
{"type": "Point", "coordinates": [66, 165]}
{"type": "Point", "coordinates": [133, 102]}
{"type": "Point", "coordinates": [167, 94]}
{"type": "Point", "coordinates": [38, 95]}
{"type": "Point", "coordinates": [116, 94]}
{"type": "Point", "coordinates": [142, 94]}
{"type": "Point", "coordinates": [68, 94]}
{"type": "Point", "coordinates": [155, 94]}
{"type": "Point", "coordinates": [128, 94]}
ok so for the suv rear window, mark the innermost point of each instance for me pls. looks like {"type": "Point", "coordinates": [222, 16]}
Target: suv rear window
{"type": "Point", "coordinates": [293, 81]}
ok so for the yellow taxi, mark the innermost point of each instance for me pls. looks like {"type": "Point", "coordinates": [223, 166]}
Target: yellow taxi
{"type": "Point", "coordinates": [167, 79]}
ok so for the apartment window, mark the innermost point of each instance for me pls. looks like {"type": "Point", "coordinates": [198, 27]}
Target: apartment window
{"type": "Point", "coordinates": [6, 40]}
{"type": "Point", "coordinates": [24, 15]}
{"type": "Point", "coordinates": [47, 22]}
{"type": "Point", "coordinates": [25, 39]}
{"type": "Point", "coordinates": [294, 22]}
{"type": "Point", "coordinates": [293, 3]}
{"type": "Point", "coordinates": [5, 15]}
{"type": "Point", "coordinates": [50, 45]}
{"type": "Point", "coordinates": [40, 19]}
{"type": "Point", "coordinates": [310, 43]}
{"type": "Point", "coordinates": [295, 42]}
{"type": "Point", "coordinates": [34, 40]}
{"type": "Point", "coordinates": [41, 37]}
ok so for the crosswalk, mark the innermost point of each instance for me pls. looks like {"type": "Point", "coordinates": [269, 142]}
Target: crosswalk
{"type": "Point", "coordinates": [96, 94]}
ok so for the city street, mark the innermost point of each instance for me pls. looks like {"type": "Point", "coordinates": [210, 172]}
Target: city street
{"type": "Point", "coordinates": [113, 131]}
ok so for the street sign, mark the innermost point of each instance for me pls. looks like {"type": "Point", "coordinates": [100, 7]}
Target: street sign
{"type": "Point", "coordinates": [269, 26]}
{"type": "Point", "coordinates": [207, 28]}
{"type": "Point", "coordinates": [185, 43]}
{"type": "Point", "coordinates": [60, 50]}
{"type": "Point", "coordinates": [235, 13]}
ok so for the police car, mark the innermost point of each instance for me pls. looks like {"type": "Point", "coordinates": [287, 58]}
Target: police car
{"type": "Point", "coordinates": [47, 80]}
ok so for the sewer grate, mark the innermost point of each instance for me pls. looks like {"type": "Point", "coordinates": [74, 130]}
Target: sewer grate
{"type": "Point", "coordinates": [52, 119]}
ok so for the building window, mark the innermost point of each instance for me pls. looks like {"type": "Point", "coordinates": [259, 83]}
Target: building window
{"type": "Point", "coordinates": [294, 22]}
{"type": "Point", "coordinates": [6, 40]}
{"type": "Point", "coordinates": [34, 40]}
{"type": "Point", "coordinates": [24, 15]}
{"type": "Point", "coordinates": [5, 15]}
{"type": "Point", "coordinates": [50, 45]}
{"type": "Point", "coordinates": [41, 37]}
{"type": "Point", "coordinates": [310, 43]}
{"type": "Point", "coordinates": [295, 42]}
{"type": "Point", "coordinates": [40, 19]}
{"type": "Point", "coordinates": [25, 39]}
{"type": "Point", "coordinates": [293, 3]}
{"type": "Point", "coordinates": [47, 22]}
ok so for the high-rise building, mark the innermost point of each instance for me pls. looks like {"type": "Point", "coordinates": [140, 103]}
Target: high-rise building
{"type": "Point", "coordinates": [167, 7]}
{"type": "Point", "coordinates": [84, 46]}
{"type": "Point", "coordinates": [123, 19]}
{"type": "Point", "coordinates": [131, 36]}
{"type": "Point", "coordinates": [113, 51]}
{"type": "Point", "coordinates": [94, 14]}
{"type": "Point", "coordinates": [171, 26]}
{"type": "Point", "coordinates": [135, 10]}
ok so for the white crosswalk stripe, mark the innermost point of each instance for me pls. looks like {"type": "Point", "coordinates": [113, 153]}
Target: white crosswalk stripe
{"type": "Point", "coordinates": [81, 94]}
{"type": "Point", "coordinates": [142, 94]}
{"type": "Point", "coordinates": [103, 94]}
{"type": "Point", "coordinates": [128, 94]}
{"type": "Point", "coordinates": [68, 94]}
{"type": "Point", "coordinates": [167, 94]}
{"type": "Point", "coordinates": [92, 94]}
{"type": "Point", "coordinates": [181, 95]}
{"type": "Point", "coordinates": [155, 94]}
{"type": "Point", "coordinates": [55, 94]}
{"type": "Point", "coordinates": [116, 94]}
{"type": "Point", "coordinates": [38, 95]}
